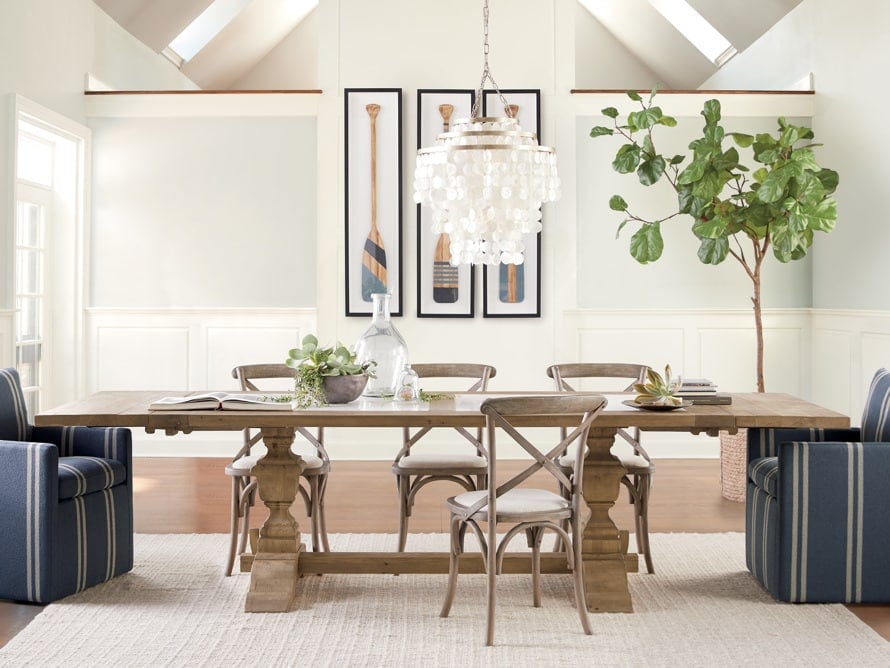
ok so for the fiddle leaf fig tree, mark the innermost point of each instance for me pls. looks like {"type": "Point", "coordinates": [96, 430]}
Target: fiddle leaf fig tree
{"type": "Point", "coordinates": [735, 212]}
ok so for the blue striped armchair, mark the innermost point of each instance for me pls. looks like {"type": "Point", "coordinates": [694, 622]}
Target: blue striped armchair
{"type": "Point", "coordinates": [67, 503]}
{"type": "Point", "coordinates": [817, 525]}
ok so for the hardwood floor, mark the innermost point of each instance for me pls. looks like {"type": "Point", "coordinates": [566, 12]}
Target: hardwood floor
{"type": "Point", "coordinates": [192, 496]}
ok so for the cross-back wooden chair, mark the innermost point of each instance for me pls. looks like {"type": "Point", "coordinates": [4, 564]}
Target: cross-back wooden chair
{"type": "Point", "coordinates": [637, 463]}
{"type": "Point", "coordinates": [313, 479]}
{"type": "Point", "coordinates": [529, 510]}
{"type": "Point", "coordinates": [467, 468]}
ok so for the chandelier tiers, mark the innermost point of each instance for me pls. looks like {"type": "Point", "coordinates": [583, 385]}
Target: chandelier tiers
{"type": "Point", "coordinates": [485, 181]}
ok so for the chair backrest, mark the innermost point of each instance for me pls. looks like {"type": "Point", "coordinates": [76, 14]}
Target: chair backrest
{"type": "Point", "coordinates": [502, 413]}
{"type": "Point", "coordinates": [480, 374]}
{"type": "Point", "coordinates": [14, 424]}
{"type": "Point", "coordinates": [477, 374]}
{"type": "Point", "coordinates": [633, 373]}
{"type": "Point", "coordinates": [262, 378]}
{"type": "Point", "coordinates": [247, 374]}
{"type": "Point", "coordinates": [876, 415]}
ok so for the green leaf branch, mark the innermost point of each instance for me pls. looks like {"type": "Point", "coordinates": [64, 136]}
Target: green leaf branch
{"type": "Point", "coordinates": [735, 212]}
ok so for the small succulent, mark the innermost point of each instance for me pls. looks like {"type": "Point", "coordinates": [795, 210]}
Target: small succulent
{"type": "Point", "coordinates": [313, 364]}
{"type": "Point", "coordinates": [658, 389]}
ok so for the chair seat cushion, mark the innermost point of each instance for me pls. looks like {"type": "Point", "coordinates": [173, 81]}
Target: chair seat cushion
{"type": "Point", "coordinates": [517, 501]}
{"type": "Point", "coordinates": [85, 475]}
{"type": "Point", "coordinates": [764, 472]}
{"type": "Point", "coordinates": [444, 460]}
{"type": "Point", "coordinates": [244, 465]}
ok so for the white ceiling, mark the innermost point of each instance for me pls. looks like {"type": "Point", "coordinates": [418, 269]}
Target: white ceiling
{"type": "Point", "coordinates": [260, 27]}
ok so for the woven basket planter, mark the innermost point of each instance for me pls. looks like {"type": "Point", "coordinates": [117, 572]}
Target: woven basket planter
{"type": "Point", "coordinates": [733, 456]}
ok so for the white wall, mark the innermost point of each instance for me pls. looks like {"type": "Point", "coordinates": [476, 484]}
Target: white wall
{"type": "Point", "coordinates": [47, 48]}
{"type": "Point", "coordinates": [202, 211]}
{"type": "Point", "coordinates": [845, 49]}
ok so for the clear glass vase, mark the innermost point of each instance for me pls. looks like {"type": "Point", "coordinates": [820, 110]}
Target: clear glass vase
{"type": "Point", "coordinates": [382, 343]}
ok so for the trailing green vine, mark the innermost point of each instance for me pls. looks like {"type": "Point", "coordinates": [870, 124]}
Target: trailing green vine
{"type": "Point", "coordinates": [314, 364]}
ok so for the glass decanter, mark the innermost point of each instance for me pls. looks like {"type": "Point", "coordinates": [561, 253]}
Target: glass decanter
{"type": "Point", "coordinates": [382, 343]}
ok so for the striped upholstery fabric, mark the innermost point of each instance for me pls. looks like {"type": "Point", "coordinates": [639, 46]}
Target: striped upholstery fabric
{"type": "Point", "coordinates": [876, 415]}
{"type": "Point", "coordinates": [817, 526]}
{"type": "Point", "coordinates": [67, 503]}
{"type": "Point", "coordinates": [764, 473]}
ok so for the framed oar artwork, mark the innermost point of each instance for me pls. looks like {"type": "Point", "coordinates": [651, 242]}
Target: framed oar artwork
{"type": "Point", "coordinates": [443, 290]}
{"type": "Point", "coordinates": [514, 290]}
{"type": "Point", "coordinates": [373, 184]}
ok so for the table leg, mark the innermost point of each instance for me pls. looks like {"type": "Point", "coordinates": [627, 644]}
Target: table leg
{"type": "Point", "coordinates": [605, 573]}
{"type": "Point", "coordinates": [273, 576]}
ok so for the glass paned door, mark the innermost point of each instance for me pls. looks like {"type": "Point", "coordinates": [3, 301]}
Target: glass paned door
{"type": "Point", "coordinates": [30, 298]}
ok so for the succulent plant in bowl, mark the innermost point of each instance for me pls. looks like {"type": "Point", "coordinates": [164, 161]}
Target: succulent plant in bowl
{"type": "Point", "coordinates": [658, 389]}
{"type": "Point", "coordinates": [327, 375]}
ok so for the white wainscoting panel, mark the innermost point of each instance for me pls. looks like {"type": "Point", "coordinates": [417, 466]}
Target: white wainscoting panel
{"type": "Point", "coordinates": [848, 347]}
{"type": "Point", "coordinates": [186, 349]}
{"type": "Point", "coordinates": [141, 358]}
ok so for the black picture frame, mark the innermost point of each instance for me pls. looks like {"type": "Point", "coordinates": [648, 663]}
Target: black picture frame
{"type": "Point", "coordinates": [381, 268]}
{"type": "Point", "coordinates": [514, 291]}
{"type": "Point", "coordinates": [438, 295]}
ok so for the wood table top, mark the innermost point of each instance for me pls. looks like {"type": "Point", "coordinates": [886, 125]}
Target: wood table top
{"type": "Point", "coordinates": [130, 409]}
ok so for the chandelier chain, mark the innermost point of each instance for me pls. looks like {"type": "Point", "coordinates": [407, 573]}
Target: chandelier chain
{"type": "Point", "coordinates": [486, 70]}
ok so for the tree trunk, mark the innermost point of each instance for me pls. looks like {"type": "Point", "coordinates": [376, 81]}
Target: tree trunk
{"type": "Point", "coordinates": [758, 326]}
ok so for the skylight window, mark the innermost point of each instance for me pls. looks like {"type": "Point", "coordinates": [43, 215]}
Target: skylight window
{"type": "Point", "coordinates": [694, 27]}
{"type": "Point", "coordinates": [204, 28]}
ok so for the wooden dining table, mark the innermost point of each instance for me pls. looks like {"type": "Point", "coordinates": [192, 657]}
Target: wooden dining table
{"type": "Point", "coordinates": [281, 557]}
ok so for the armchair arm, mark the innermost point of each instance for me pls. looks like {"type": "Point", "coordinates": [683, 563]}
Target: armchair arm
{"type": "Point", "coordinates": [835, 528]}
{"type": "Point", "coordinates": [106, 442]}
{"type": "Point", "coordinates": [764, 442]}
{"type": "Point", "coordinates": [29, 497]}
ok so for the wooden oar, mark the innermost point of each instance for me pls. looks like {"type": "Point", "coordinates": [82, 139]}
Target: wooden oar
{"type": "Point", "coordinates": [511, 287]}
{"type": "Point", "coordinates": [445, 276]}
{"type": "Point", "coordinates": [374, 255]}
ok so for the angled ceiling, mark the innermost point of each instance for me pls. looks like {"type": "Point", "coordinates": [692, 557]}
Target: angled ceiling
{"type": "Point", "coordinates": [261, 26]}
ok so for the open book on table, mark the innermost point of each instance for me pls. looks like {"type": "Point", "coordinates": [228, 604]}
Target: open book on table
{"type": "Point", "coordinates": [209, 401]}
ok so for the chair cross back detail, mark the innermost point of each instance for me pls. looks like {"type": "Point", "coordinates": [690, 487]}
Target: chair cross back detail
{"type": "Point", "coordinates": [532, 511]}
{"type": "Point", "coordinates": [498, 409]}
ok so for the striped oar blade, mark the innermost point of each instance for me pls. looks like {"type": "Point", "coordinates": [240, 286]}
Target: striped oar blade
{"type": "Point", "coordinates": [511, 287]}
{"type": "Point", "coordinates": [373, 266]}
{"type": "Point", "coordinates": [445, 277]}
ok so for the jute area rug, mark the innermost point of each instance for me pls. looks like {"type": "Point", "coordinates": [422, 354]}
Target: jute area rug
{"type": "Point", "coordinates": [176, 608]}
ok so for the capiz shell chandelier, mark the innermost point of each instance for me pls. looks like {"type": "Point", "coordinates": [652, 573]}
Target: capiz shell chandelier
{"type": "Point", "coordinates": [485, 181]}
